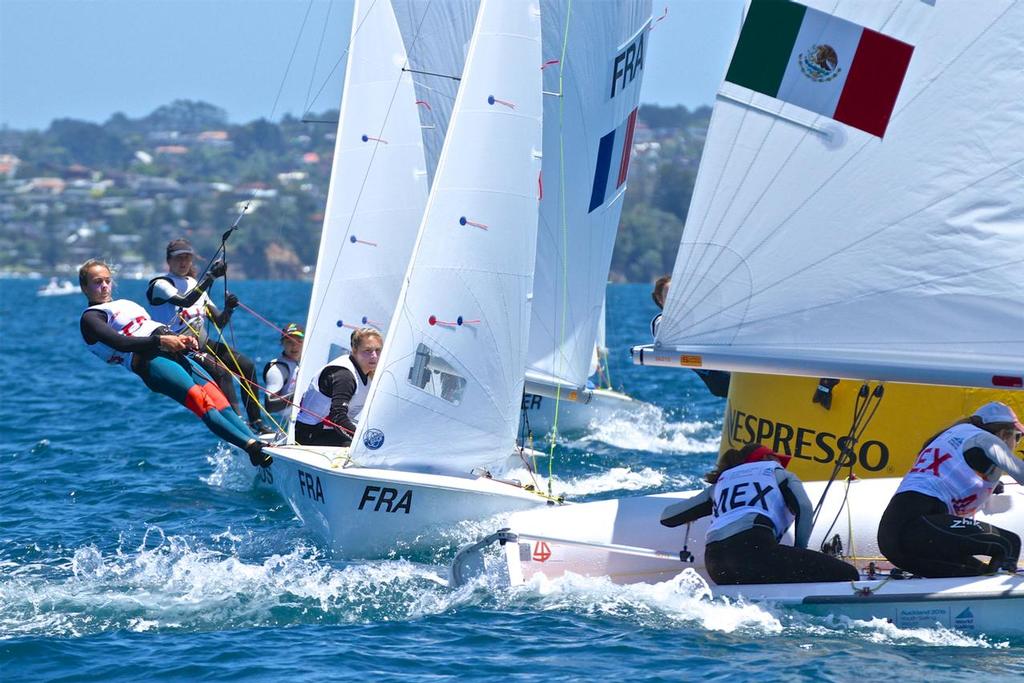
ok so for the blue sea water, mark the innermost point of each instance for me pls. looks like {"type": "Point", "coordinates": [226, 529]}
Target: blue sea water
{"type": "Point", "coordinates": [134, 546]}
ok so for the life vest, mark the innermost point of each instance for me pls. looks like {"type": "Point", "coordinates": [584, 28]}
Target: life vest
{"type": "Point", "coordinates": [126, 318]}
{"type": "Point", "coordinates": [942, 472]}
{"type": "Point", "coordinates": [290, 375]}
{"type": "Point", "coordinates": [655, 324]}
{"type": "Point", "coordinates": [750, 489]}
{"type": "Point", "coordinates": [315, 406]}
{"type": "Point", "coordinates": [189, 320]}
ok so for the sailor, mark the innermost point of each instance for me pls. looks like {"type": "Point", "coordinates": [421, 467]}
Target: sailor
{"type": "Point", "coordinates": [120, 332]}
{"type": "Point", "coordinates": [754, 500]}
{"type": "Point", "coordinates": [928, 527]}
{"type": "Point", "coordinates": [331, 405]}
{"type": "Point", "coordinates": [181, 303]}
{"type": "Point", "coordinates": [717, 381]}
{"type": "Point", "coordinates": [279, 374]}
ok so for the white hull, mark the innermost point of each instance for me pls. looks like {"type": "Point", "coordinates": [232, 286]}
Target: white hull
{"type": "Point", "coordinates": [988, 604]}
{"type": "Point", "coordinates": [587, 530]}
{"type": "Point", "coordinates": [575, 417]}
{"type": "Point", "coordinates": [362, 512]}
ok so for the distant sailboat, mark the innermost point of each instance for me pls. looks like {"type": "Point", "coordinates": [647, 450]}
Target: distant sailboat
{"type": "Point", "coordinates": [836, 236]}
{"type": "Point", "coordinates": [57, 288]}
{"type": "Point", "coordinates": [445, 397]}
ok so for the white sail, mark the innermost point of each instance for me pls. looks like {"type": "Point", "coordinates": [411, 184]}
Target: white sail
{"type": "Point", "coordinates": [594, 54]}
{"type": "Point", "coordinates": [437, 35]}
{"type": "Point", "coordinates": [815, 248]}
{"type": "Point", "coordinates": [446, 394]}
{"type": "Point", "coordinates": [377, 193]}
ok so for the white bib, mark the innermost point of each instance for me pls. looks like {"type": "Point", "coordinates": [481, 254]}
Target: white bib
{"type": "Point", "coordinates": [126, 318]}
{"type": "Point", "coordinates": [750, 489]}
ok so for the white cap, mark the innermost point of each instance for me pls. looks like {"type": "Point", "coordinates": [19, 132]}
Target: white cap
{"type": "Point", "coordinates": [998, 412]}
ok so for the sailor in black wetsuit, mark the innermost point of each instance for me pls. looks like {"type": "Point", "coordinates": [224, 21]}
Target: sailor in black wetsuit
{"type": "Point", "coordinates": [928, 527]}
{"type": "Point", "coordinates": [120, 332]}
{"type": "Point", "coordinates": [335, 397]}
{"type": "Point", "coordinates": [754, 500]}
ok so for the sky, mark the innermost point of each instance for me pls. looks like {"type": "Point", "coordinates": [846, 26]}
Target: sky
{"type": "Point", "coordinates": [87, 59]}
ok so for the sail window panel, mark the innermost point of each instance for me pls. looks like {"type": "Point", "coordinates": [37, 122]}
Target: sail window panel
{"type": "Point", "coordinates": [436, 377]}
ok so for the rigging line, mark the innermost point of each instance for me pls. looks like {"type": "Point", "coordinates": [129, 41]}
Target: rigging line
{"type": "Point", "coordinates": [344, 54]}
{"type": "Point", "coordinates": [316, 60]}
{"type": "Point", "coordinates": [873, 293]}
{"type": "Point", "coordinates": [565, 233]}
{"type": "Point", "coordinates": [431, 73]}
{"type": "Point", "coordinates": [295, 48]}
{"type": "Point", "coordinates": [854, 154]}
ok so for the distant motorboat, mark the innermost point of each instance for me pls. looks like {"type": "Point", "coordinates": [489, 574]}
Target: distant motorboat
{"type": "Point", "coordinates": [55, 288]}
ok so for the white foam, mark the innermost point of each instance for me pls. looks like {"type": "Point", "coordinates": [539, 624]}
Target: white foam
{"type": "Point", "coordinates": [196, 585]}
{"type": "Point", "coordinates": [231, 469]}
{"type": "Point", "coordinates": [647, 429]}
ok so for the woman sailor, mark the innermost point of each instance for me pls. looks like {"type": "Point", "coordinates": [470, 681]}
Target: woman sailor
{"type": "Point", "coordinates": [928, 528]}
{"type": "Point", "coordinates": [120, 332]}
{"type": "Point", "coordinates": [331, 404]}
{"type": "Point", "coordinates": [280, 373]}
{"type": "Point", "coordinates": [754, 500]}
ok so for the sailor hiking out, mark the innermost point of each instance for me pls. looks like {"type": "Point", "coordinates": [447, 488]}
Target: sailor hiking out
{"type": "Point", "coordinates": [754, 500]}
{"type": "Point", "coordinates": [928, 526]}
{"type": "Point", "coordinates": [120, 332]}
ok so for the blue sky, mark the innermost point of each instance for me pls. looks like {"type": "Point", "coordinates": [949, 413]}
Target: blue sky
{"type": "Point", "coordinates": [87, 59]}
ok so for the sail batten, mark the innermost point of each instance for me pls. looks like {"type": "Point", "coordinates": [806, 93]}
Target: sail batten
{"type": "Point", "coordinates": [820, 249]}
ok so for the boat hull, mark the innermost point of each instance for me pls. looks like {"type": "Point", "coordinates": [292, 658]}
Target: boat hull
{"type": "Point", "coordinates": [362, 512]}
{"type": "Point", "coordinates": [539, 411]}
{"type": "Point", "coordinates": [986, 604]}
{"type": "Point", "coordinates": [588, 529]}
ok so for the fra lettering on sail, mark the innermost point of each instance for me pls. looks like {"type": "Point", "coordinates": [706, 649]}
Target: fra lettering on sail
{"type": "Point", "coordinates": [387, 498]}
{"type": "Point", "coordinates": [628, 63]}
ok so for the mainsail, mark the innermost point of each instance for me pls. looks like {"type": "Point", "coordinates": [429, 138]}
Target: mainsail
{"type": "Point", "coordinates": [594, 54]}
{"type": "Point", "coordinates": [446, 394]}
{"type": "Point", "coordinates": [816, 247]}
{"type": "Point", "coordinates": [377, 192]}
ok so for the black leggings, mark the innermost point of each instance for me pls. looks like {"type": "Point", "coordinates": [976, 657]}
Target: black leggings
{"type": "Point", "coordinates": [918, 534]}
{"type": "Point", "coordinates": [316, 435]}
{"type": "Point", "coordinates": [754, 556]}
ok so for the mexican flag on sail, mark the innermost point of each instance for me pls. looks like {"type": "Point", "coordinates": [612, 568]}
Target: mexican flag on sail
{"type": "Point", "coordinates": [820, 62]}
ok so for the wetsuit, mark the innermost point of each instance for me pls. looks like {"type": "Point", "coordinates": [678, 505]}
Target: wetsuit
{"type": "Point", "coordinates": [183, 305]}
{"type": "Point", "coordinates": [121, 333]}
{"type": "Point", "coordinates": [753, 504]}
{"type": "Point", "coordinates": [928, 527]}
{"type": "Point", "coordinates": [338, 392]}
{"type": "Point", "coordinates": [717, 381]}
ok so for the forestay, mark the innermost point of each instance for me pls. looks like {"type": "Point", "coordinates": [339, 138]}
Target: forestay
{"type": "Point", "coordinates": [376, 196]}
{"type": "Point", "coordinates": [594, 56]}
{"type": "Point", "coordinates": [814, 247]}
{"type": "Point", "coordinates": [446, 394]}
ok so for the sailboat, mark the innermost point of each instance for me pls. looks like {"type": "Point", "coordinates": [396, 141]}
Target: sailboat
{"type": "Point", "coordinates": [593, 65]}
{"type": "Point", "coordinates": [866, 229]}
{"type": "Point", "coordinates": [445, 399]}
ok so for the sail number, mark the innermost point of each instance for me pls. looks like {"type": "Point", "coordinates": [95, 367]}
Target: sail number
{"type": "Point", "coordinates": [628, 64]}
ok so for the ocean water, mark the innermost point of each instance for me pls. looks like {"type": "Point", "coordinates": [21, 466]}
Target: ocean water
{"type": "Point", "coordinates": [134, 546]}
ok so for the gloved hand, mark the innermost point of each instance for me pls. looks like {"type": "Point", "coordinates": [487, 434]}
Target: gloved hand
{"type": "Point", "coordinates": [230, 301]}
{"type": "Point", "coordinates": [218, 268]}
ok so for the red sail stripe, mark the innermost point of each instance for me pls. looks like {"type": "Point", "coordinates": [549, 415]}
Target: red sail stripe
{"type": "Point", "coordinates": [873, 83]}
